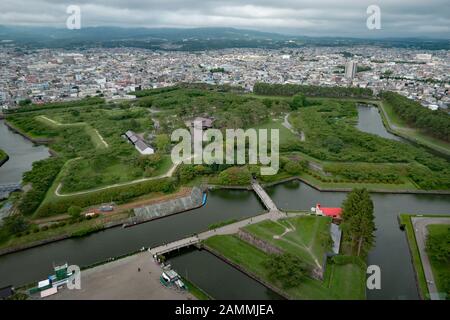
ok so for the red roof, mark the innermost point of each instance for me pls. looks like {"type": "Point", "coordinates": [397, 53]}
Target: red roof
{"type": "Point", "coordinates": [330, 212]}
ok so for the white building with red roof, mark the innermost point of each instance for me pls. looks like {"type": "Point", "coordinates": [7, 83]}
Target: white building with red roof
{"type": "Point", "coordinates": [334, 213]}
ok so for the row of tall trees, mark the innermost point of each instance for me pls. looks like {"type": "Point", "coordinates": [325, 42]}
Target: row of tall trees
{"type": "Point", "coordinates": [436, 123]}
{"type": "Point", "coordinates": [358, 221]}
{"type": "Point", "coordinates": [311, 91]}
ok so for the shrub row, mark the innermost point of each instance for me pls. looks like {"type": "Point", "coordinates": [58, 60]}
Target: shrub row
{"type": "Point", "coordinates": [118, 195]}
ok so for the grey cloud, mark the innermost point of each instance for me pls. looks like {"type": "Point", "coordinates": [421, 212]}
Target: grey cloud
{"type": "Point", "coordinates": [303, 17]}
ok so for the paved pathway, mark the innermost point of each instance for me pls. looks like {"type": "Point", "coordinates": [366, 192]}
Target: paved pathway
{"type": "Point", "coordinates": [228, 229]}
{"type": "Point", "coordinates": [421, 232]}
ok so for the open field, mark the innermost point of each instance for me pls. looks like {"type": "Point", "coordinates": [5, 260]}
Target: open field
{"type": "Point", "coordinates": [301, 236]}
{"type": "Point", "coordinates": [345, 281]}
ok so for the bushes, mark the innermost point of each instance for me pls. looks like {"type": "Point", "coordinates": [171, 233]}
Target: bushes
{"type": "Point", "coordinates": [235, 176]}
{"type": "Point", "coordinates": [366, 172]}
{"type": "Point", "coordinates": [118, 194]}
{"type": "Point", "coordinates": [41, 178]}
{"type": "Point", "coordinates": [286, 268]}
{"type": "Point", "coordinates": [292, 167]}
{"type": "Point", "coordinates": [85, 231]}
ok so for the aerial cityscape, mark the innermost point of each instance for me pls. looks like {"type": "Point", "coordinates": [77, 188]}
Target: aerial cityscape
{"type": "Point", "coordinates": [224, 152]}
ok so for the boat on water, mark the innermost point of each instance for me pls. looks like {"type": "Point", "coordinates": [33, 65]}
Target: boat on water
{"type": "Point", "coordinates": [170, 278]}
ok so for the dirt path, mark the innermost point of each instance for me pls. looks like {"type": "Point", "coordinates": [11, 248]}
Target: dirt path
{"type": "Point", "coordinates": [168, 174]}
{"type": "Point", "coordinates": [289, 126]}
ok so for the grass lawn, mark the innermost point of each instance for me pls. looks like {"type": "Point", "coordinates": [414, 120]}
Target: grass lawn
{"type": "Point", "coordinates": [439, 268]}
{"type": "Point", "coordinates": [305, 240]}
{"type": "Point", "coordinates": [95, 136]}
{"type": "Point", "coordinates": [341, 281]}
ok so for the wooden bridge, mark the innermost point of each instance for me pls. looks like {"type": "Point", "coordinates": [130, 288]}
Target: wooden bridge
{"type": "Point", "coordinates": [262, 194]}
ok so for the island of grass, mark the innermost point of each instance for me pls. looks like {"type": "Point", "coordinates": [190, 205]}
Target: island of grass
{"type": "Point", "coordinates": [439, 267]}
{"type": "Point", "coordinates": [3, 157]}
{"type": "Point", "coordinates": [307, 239]}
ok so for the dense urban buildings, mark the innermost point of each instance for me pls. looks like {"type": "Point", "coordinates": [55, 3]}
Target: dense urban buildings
{"type": "Point", "coordinates": [46, 75]}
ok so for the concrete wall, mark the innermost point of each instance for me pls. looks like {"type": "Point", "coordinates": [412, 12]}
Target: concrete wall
{"type": "Point", "coordinates": [154, 211]}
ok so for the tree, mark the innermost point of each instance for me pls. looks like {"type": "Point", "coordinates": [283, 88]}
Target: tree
{"type": "Point", "coordinates": [15, 224]}
{"type": "Point", "coordinates": [292, 167]}
{"type": "Point", "coordinates": [358, 220]}
{"type": "Point", "coordinates": [334, 144]}
{"type": "Point", "coordinates": [298, 101]}
{"type": "Point", "coordinates": [162, 142]}
{"type": "Point", "coordinates": [74, 212]}
{"type": "Point", "coordinates": [286, 268]}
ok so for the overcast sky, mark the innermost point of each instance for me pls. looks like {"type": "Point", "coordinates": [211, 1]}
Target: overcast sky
{"type": "Point", "coordinates": [429, 18]}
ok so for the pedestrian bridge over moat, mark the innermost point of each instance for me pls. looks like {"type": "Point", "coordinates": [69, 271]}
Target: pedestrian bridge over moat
{"type": "Point", "coordinates": [273, 214]}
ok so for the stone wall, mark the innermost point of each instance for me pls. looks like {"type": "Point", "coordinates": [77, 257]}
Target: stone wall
{"type": "Point", "coordinates": [259, 243]}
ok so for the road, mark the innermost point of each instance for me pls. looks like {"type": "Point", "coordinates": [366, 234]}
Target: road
{"type": "Point", "coordinates": [420, 230]}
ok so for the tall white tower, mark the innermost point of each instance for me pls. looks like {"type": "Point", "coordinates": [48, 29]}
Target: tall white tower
{"type": "Point", "coordinates": [350, 69]}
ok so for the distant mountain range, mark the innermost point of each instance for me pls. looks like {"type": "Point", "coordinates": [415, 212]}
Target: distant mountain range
{"type": "Point", "coordinates": [191, 39]}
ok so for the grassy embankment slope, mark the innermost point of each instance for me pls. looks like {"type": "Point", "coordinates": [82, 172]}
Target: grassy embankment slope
{"type": "Point", "coordinates": [405, 220]}
{"type": "Point", "coordinates": [399, 127]}
{"type": "Point", "coordinates": [306, 241]}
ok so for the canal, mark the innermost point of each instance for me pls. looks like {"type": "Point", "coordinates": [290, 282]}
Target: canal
{"type": "Point", "coordinates": [22, 153]}
{"type": "Point", "coordinates": [369, 120]}
{"type": "Point", "coordinates": [390, 253]}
